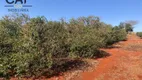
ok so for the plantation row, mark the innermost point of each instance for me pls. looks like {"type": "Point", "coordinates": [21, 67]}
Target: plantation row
{"type": "Point", "coordinates": [30, 46]}
{"type": "Point", "coordinates": [139, 34]}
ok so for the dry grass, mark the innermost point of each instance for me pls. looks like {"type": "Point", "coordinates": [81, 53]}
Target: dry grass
{"type": "Point", "coordinates": [134, 47]}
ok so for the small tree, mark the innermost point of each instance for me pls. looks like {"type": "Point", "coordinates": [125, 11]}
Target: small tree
{"type": "Point", "coordinates": [128, 25]}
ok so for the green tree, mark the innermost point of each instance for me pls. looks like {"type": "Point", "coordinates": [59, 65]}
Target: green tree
{"type": "Point", "coordinates": [128, 25]}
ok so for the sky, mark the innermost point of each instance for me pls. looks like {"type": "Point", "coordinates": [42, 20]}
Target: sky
{"type": "Point", "coordinates": [110, 11]}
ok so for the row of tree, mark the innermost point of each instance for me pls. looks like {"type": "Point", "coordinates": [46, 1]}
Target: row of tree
{"type": "Point", "coordinates": [139, 34]}
{"type": "Point", "coordinates": [32, 46]}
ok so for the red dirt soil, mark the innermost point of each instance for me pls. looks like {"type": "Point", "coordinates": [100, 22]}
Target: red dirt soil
{"type": "Point", "coordinates": [122, 64]}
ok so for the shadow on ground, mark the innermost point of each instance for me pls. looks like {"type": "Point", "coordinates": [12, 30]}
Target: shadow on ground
{"type": "Point", "coordinates": [101, 54]}
{"type": "Point", "coordinates": [111, 47]}
{"type": "Point", "coordinates": [64, 65]}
